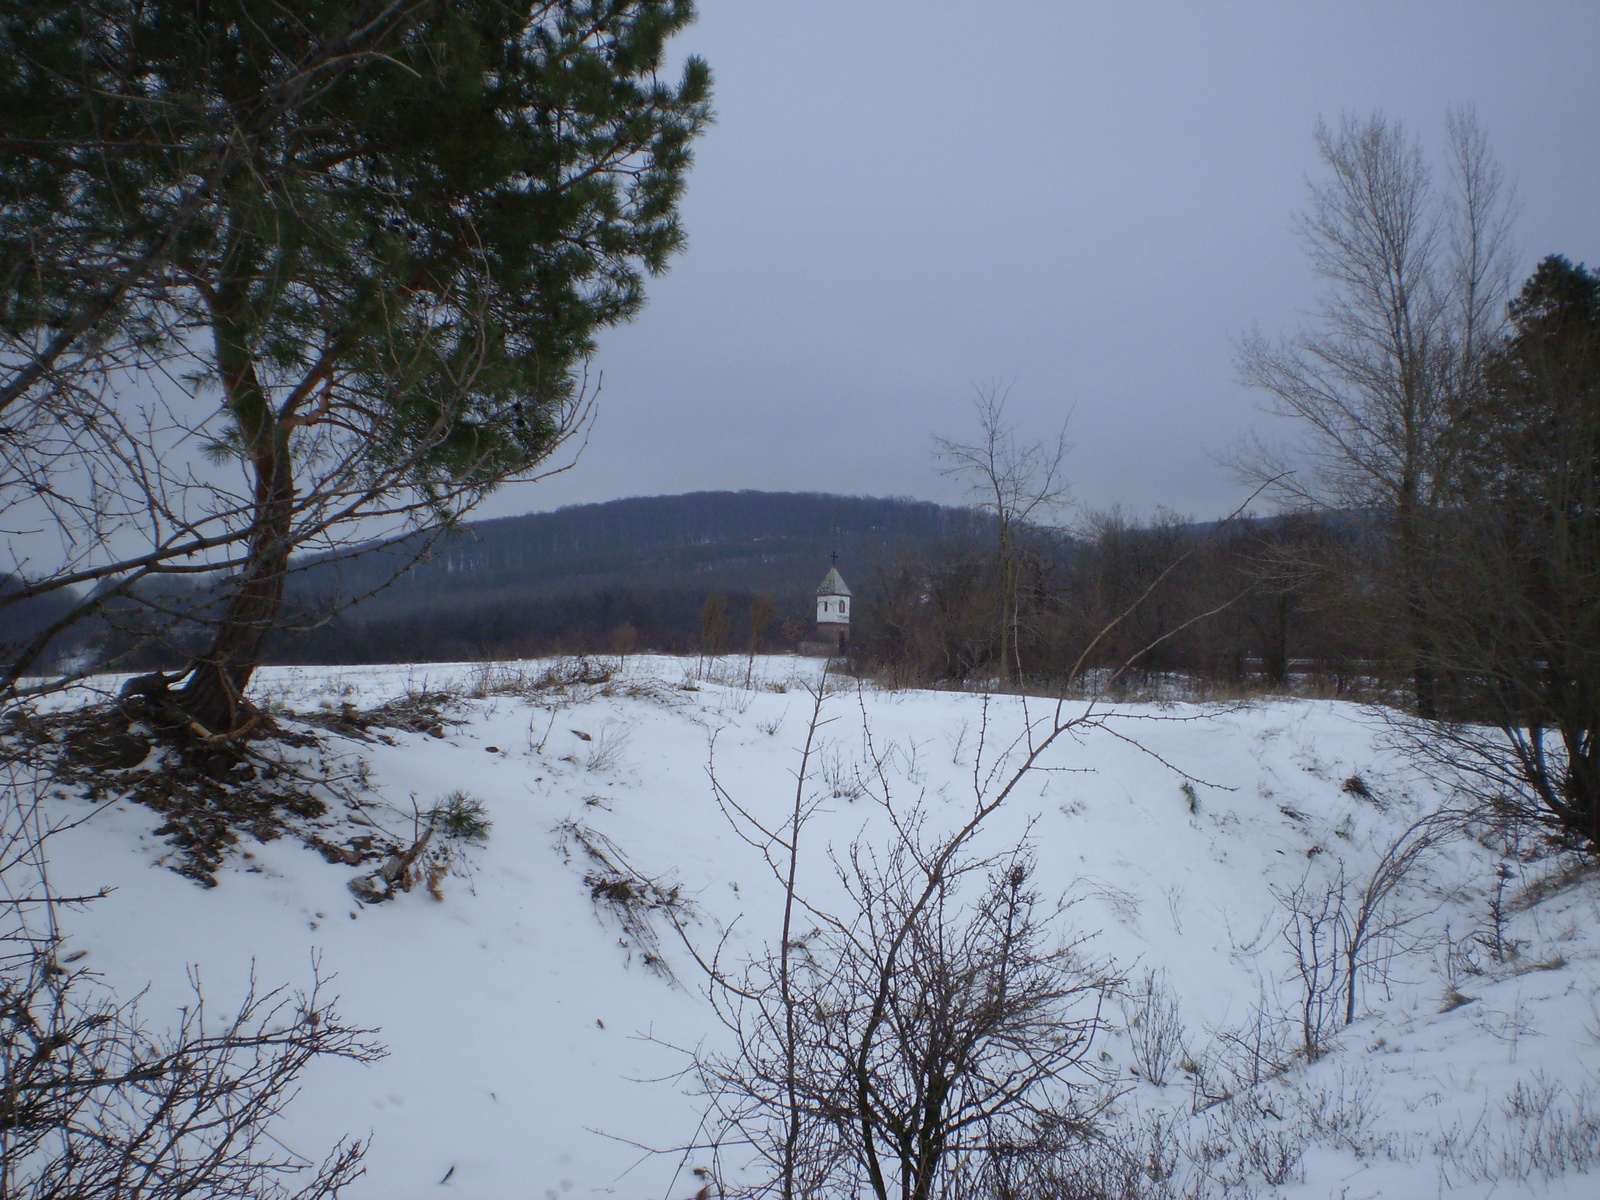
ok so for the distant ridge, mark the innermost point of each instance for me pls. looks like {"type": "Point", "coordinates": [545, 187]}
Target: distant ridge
{"type": "Point", "coordinates": [523, 584]}
{"type": "Point", "coordinates": [746, 539]}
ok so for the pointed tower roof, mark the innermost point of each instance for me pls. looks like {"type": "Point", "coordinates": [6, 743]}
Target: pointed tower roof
{"type": "Point", "coordinates": [833, 584]}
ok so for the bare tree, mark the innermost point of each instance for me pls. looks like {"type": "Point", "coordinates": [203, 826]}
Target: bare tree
{"type": "Point", "coordinates": [1019, 484]}
{"type": "Point", "coordinates": [1345, 931]}
{"type": "Point", "coordinates": [1416, 279]}
{"type": "Point", "coordinates": [758, 617]}
{"type": "Point", "coordinates": [933, 1017]}
{"type": "Point", "coordinates": [917, 1029]}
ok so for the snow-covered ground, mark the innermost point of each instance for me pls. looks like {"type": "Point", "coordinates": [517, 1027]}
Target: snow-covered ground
{"type": "Point", "coordinates": [531, 1043]}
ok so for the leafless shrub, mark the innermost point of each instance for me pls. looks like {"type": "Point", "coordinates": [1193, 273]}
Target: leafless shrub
{"type": "Point", "coordinates": [1378, 920]}
{"type": "Point", "coordinates": [605, 751]}
{"type": "Point", "coordinates": [1065, 1165]}
{"type": "Point", "coordinates": [840, 775]}
{"type": "Point", "coordinates": [1494, 938]}
{"type": "Point", "coordinates": [914, 1032]}
{"type": "Point", "coordinates": [1457, 959]}
{"type": "Point", "coordinates": [631, 897]}
{"type": "Point", "coordinates": [1342, 1111]}
{"type": "Point", "coordinates": [1159, 1143]}
{"type": "Point", "coordinates": [956, 739]}
{"type": "Point", "coordinates": [95, 1104]}
{"type": "Point", "coordinates": [1229, 1150]}
{"type": "Point", "coordinates": [499, 679]}
{"type": "Point", "coordinates": [1591, 1027]}
{"type": "Point", "coordinates": [1564, 874]}
{"type": "Point", "coordinates": [1123, 904]}
{"type": "Point", "coordinates": [1242, 1057]}
{"type": "Point", "coordinates": [1547, 1130]}
{"type": "Point", "coordinates": [1316, 929]}
{"type": "Point", "coordinates": [930, 1019]}
{"type": "Point", "coordinates": [1155, 1029]}
{"type": "Point", "coordinates": [1340, 932]}
{"type": "Point", "coordinates": [1274, 1149]}
{"type": "Point", "coordinates": [529, 680]}
{"type": "Point", "coordinates": [417, 710]}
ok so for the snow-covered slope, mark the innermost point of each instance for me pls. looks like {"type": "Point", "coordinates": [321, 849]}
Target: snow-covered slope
{"type": "Point", "coordinates": [532, 1040]}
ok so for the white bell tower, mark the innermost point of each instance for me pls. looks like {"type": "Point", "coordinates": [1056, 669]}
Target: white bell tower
{"type": "Point", "coordinates": [833, 608]}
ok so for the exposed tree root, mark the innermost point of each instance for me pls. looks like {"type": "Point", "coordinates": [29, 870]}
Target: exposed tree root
{"type": "Point", "coordinates": [283, 779]}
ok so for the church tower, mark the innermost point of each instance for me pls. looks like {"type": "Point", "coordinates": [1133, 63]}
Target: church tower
{"type": "Point", "coordinates": [833, 609]}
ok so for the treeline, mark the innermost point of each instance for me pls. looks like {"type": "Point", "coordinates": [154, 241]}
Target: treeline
{"type": "Point", "coordinates": [1466, 585]}
{"type": "Point", "coordinates": [663, 573]}
{"type": "Point", "coordinates": [1262, 601]}
{"type": "Point", "coordinates": [632, 574]}
{"type": "Point", "coordinates": [477, 627]}
{"type": "Point", "coordinates": [1269, 602]}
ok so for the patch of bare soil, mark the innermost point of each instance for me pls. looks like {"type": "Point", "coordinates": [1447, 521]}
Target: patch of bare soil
{"type": "Point", "coordinates": [287, 779]}
{"type": "Point", "coordinates": [414, 712]}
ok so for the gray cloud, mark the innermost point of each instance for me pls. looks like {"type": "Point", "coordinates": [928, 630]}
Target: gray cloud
{"type": "Point", "coordinates": [1087, 201]}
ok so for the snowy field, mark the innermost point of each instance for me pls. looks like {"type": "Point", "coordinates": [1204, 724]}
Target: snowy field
{"type": "Point", "coordinates": [532, 1038]}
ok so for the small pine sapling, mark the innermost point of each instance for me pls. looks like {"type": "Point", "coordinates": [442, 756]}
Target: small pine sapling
{"type": "Point", "coordinates": [462, 817]}
{"type": "Point", "coordinates": [438, 849]}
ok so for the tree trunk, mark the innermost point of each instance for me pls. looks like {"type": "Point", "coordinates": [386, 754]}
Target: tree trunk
{"type": "Point", "coordinates": [1008, 601]}
{"type": "Point", "coordinates": [1413, 567]}
{"type": "Point", "coordinates": [214, 695]}
{"type": "Point", "coordinates": [1276, 657]}
{"type": "Point", "coordinates": [1423, 679]}
{"type": "Point", "coordinates": [1583, 781]}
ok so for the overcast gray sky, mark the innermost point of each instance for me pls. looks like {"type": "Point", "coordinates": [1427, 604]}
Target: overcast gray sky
{"type": "Point", "coordinates": [1089, 202]}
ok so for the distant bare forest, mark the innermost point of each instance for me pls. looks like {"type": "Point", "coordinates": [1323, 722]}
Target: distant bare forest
{"type": "Point", "coordinates": [690, 573]}
{"type": "Point", "coordinates": [627, 574]}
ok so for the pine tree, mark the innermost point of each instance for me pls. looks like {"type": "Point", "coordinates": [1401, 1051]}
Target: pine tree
{"type": "Point", "coordinates": [388, 231]}
{"type": "Point", "coordinates": [1521, 599]}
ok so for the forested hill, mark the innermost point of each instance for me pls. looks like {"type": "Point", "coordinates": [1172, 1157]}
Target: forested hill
{"type": "Point", "coordinates": [579, 574]}
{"type": "Point", "coordinates": [773, 540]}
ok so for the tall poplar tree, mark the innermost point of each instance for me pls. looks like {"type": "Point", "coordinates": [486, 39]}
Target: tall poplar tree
{"type": "Point", "coordinates": [1415, 277]}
